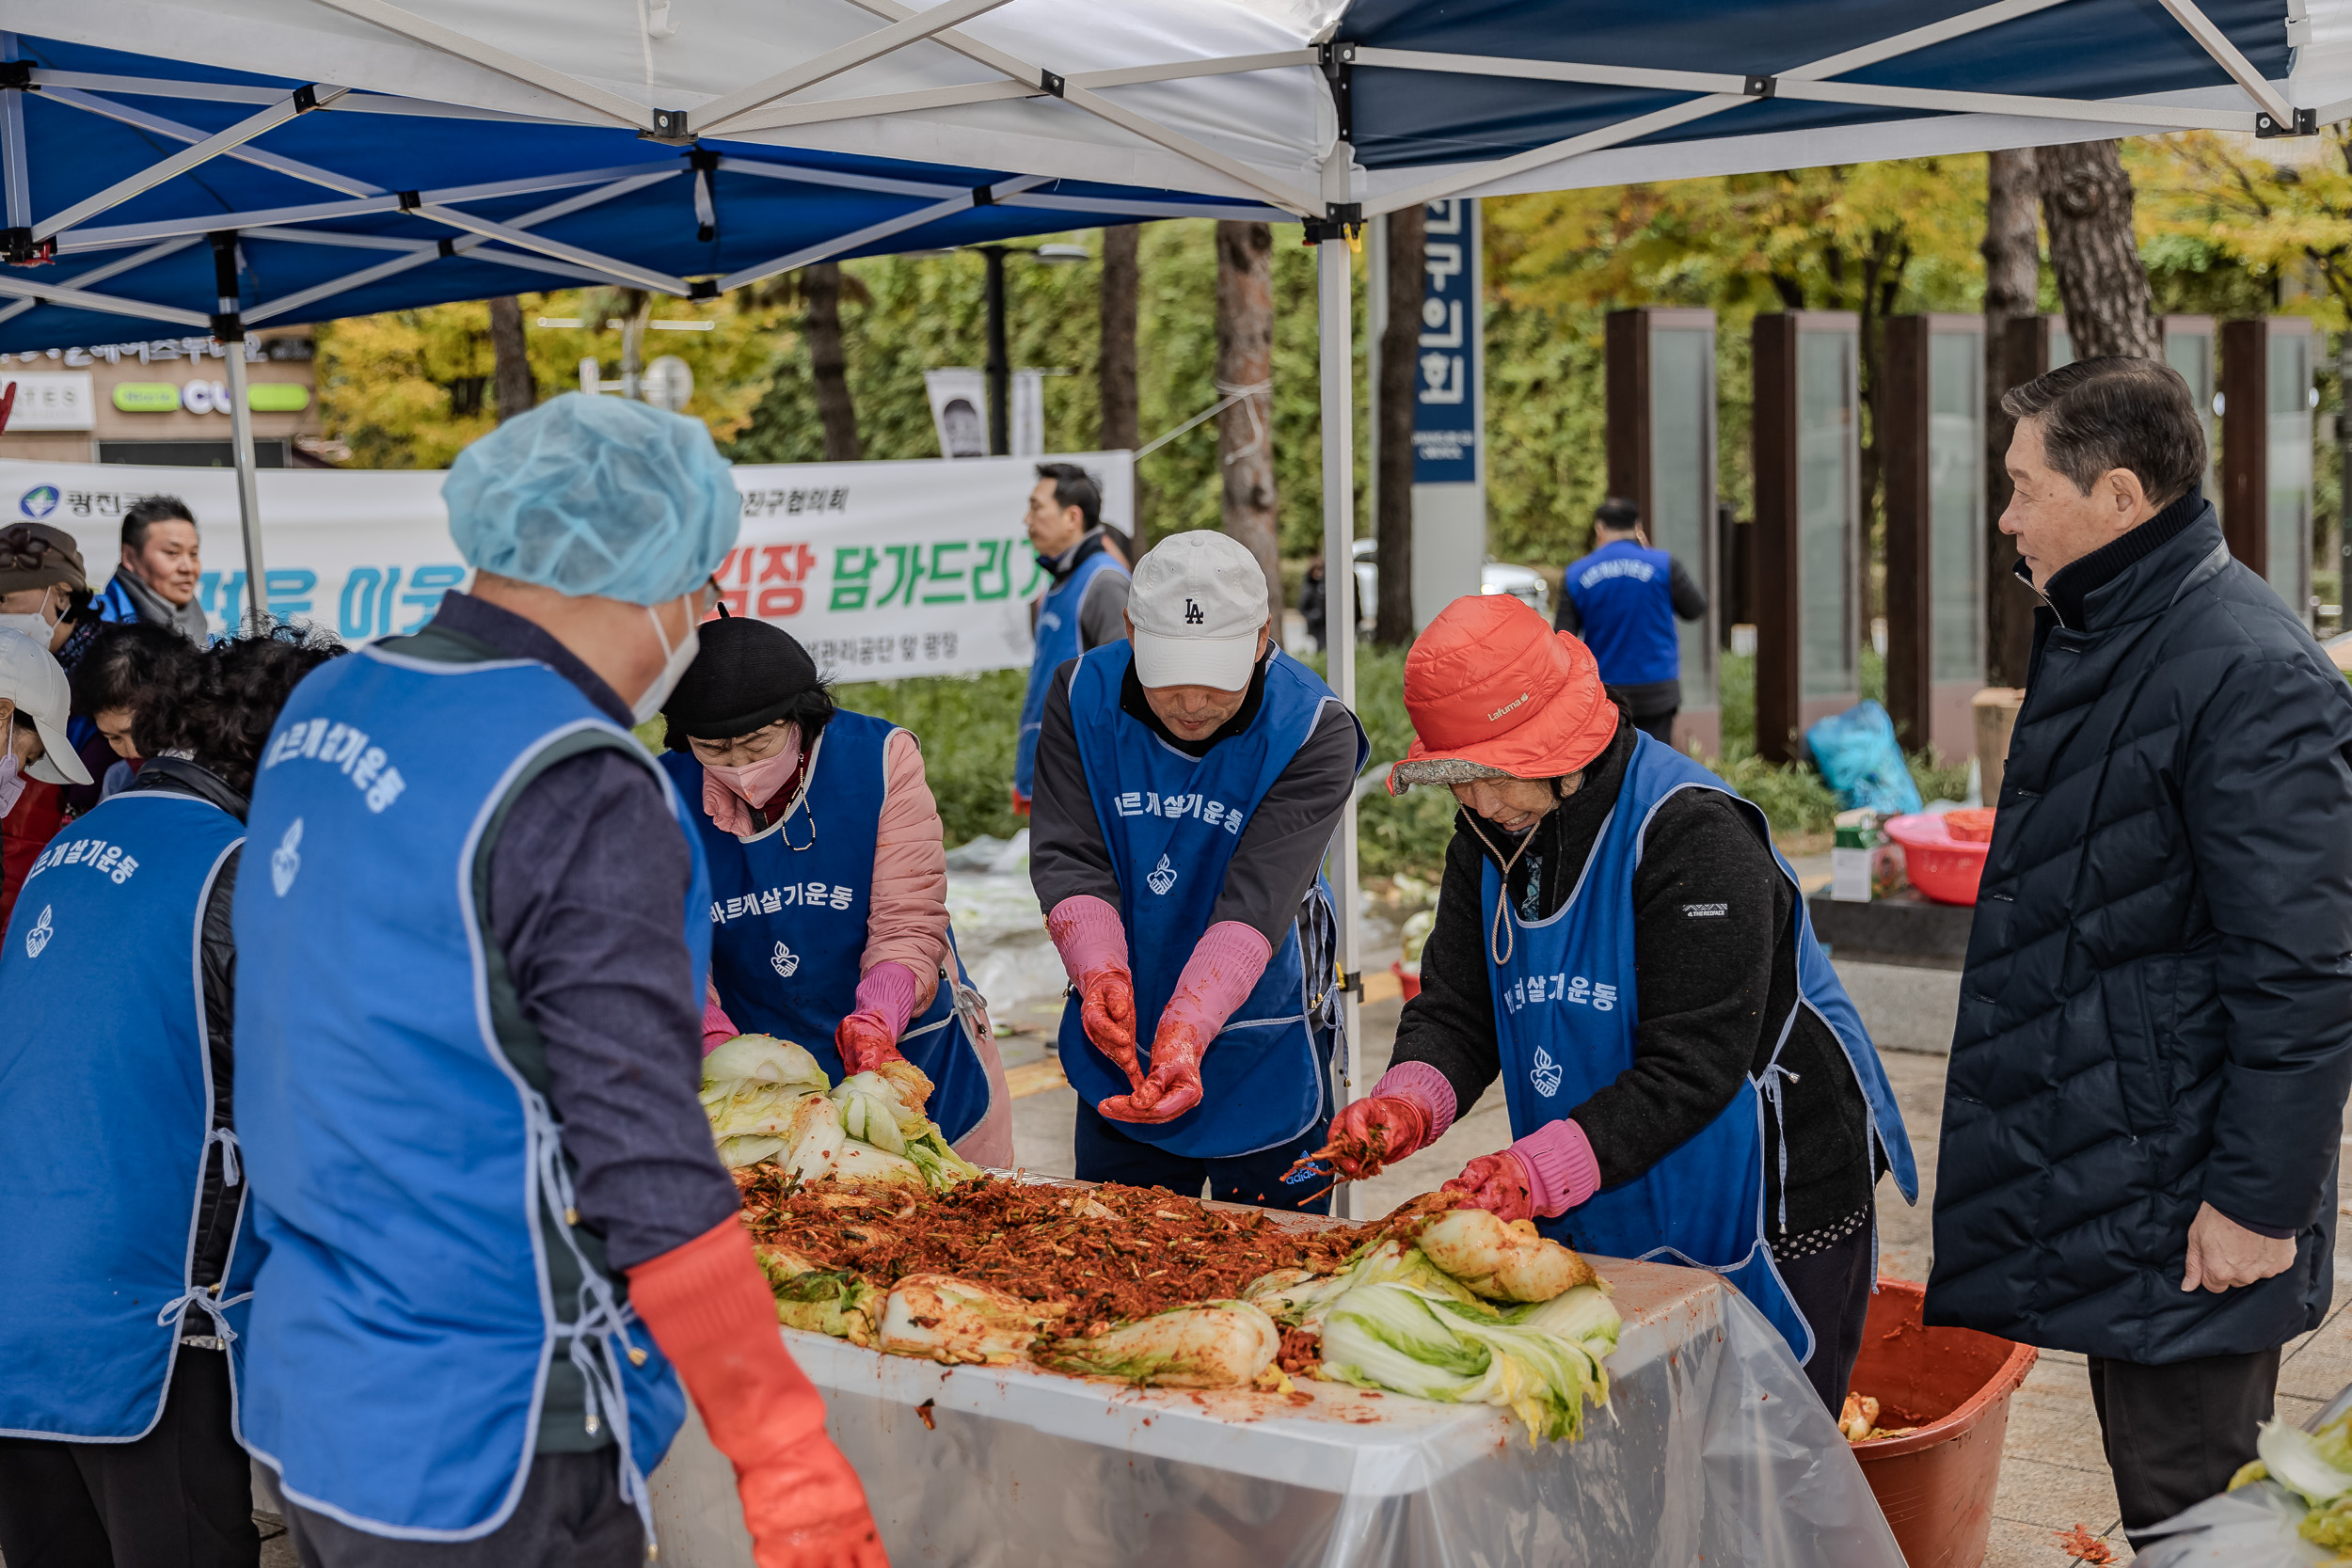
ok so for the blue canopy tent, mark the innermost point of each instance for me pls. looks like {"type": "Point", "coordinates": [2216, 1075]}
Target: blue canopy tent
{"type": "Point", "coordinates": [693, 145]}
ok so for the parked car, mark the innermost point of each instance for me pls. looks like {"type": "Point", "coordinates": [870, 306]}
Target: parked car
{"type": "Point", "coordinates": [1523, 583]}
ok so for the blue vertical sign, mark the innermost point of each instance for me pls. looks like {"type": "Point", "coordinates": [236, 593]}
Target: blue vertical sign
{"type": "Point", "coordinates": [1445, 401]}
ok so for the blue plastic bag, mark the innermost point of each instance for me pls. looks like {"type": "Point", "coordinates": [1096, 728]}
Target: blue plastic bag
{"type": "Point", "coordinates": [1860, 760]}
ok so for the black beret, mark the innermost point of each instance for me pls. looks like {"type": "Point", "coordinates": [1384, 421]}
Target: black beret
{"type": "Point", "coordinates": [748, 676]}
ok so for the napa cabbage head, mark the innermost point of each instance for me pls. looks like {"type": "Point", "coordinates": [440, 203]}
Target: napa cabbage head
{"type": "Point", "coordinates": [2299, 1461]}
{"type": "Point", "coordinates": [764, 1059]}
{"type": "Point", "coordinates": [1389, 1336]}
{"type": "Point", "coordinates": [1582, 1316]}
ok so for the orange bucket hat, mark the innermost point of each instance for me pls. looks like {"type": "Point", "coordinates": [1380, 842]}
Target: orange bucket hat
{"type": "Point", "coordinates": [1495, 693]}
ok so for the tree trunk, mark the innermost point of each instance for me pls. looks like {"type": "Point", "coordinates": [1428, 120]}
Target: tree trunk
{"type": "Point", "coordinates": [1116, 370]}
{"type": "Point", "coordinates": [2087, 202]}
{"type": "Point", "coordinates": [2012, 284]}
{"type": "Point", "coordinates": [1400, 366]}
{"type": "Point", "coordinates": [1244, 362]}
{"type": "Point", "coordinates": [828, 366]}
{"type": "Point", "coordinates": [513, 384]}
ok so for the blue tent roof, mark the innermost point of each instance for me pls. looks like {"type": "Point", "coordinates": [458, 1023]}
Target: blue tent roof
{"type": "Point", "coordinates": [2087, 49]}
{"type": "Point", "coordinates": [309, 241]}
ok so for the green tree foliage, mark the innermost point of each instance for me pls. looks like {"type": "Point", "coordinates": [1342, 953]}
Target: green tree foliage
{"type": "Point", "coordinates": [411, 389]}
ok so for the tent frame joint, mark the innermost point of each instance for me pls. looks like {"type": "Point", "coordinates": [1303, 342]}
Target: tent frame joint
{"type": "Point", "coordinates": [1761, 87]}
{"type": "Point", "coordinates": [1052, 83]}
{"type": "Point", "coordinates": [17, 74]}
{"type": "Point", "coordinates": [702, 287]}
{"type": "Point", "coordinates": [2306, 124]}
{"type": "Point", "coordinates": [1344, 220]}
{"type": "Point", "coordinates": [1337, 61]}
{"type": "Point", "coordinates": [18, 250]}
{"type": "Point", "coordinates": [669, 126]}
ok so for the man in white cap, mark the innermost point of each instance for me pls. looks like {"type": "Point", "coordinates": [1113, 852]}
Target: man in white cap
{"type": "Point", "coordinates": [1188, 783]}
{"type": "Point", "coordinates": [35, 703]}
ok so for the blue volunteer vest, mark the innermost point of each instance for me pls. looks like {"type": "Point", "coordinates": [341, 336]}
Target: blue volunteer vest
{"type": "Point", "coordinates": [1171, 823]}
{"type": "Point", "coordinates": [107, 1090]}
{"type": "Point", "coordinates": [408, 1176]}
{"type": "Point", "coordinates": [1057, 644]}
{"type": "Point", "coordinates": [1622, 592]}
{"type": "Point", "coordinates": [1564, 1010]}
{"type": "Point", "coordinates": [788, 909]}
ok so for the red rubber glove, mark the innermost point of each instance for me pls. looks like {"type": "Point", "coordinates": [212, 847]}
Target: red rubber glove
{"type": "Point", "coordinates": [1499, 1183]}
{"type": "Point", "coordinates": [1020, 803]}
{"type": "Point", "coordinates": [865, 1042]}
{"type": "Point", "coordinates": [710, 1309]}
{"type": "Point", "coordinates": [1106, 1008]}
{"type": "Point", "coordinates": [1174, 1085]}
{"type": "Point", "coordinates": [1370, 1133]}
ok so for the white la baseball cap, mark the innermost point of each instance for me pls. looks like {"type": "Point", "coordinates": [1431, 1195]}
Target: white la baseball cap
{"type": "Point", "coordinates": [1199, 600]}
{"type": "Point", "coordinates": [36, 683]}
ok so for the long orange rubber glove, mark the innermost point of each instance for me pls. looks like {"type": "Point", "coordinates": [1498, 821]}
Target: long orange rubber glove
{"type": "Point", "coordinates": [710, 1311]}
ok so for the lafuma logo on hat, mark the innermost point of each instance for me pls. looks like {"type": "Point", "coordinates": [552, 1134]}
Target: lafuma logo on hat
{"type": "Point", "coordinates": [37, 502]}
{"type": "Point", "coordinates": [1508, 706]}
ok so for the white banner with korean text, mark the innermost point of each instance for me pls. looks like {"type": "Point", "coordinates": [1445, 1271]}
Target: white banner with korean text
{"type": "Point", "coordinates": [881, 569]}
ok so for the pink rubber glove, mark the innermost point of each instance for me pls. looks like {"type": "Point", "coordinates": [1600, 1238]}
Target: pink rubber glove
{"type": "Point", "coordinates": [1225, 966]}
{"type": "Point", "coordinates": [869, 1037]}
{"type": "Point", "coordinates": [1409, 1109]}
{"type": "Point", "coordinates": [1544, 1175]}
{"type": "Point", "coordinates": [1093, 947]}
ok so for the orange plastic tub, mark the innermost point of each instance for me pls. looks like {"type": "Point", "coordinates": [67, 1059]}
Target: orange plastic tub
{"type": "Point", "coordinates": [1935, 1485]}
{"type": "Point", "coordinates": [1941, 863]}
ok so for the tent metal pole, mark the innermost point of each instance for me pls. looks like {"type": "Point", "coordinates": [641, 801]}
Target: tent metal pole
{"type": "Point", "coordinates": [297, 103]}
{"type": "Point", "coordinates": [530, 72]}
{"type": "Point", "coordinates": [711, 118]}
{"type": "Point", "coordinates": [1335, 330]}
{"type": "Point", "coordinates": [2216, 43]}
{"type": "Point", "coordinates": [12, 165]}
{"type": "Point", "coordinates": [228, 326]}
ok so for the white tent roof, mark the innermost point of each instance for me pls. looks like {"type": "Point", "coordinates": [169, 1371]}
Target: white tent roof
{"type": "Point", "coordinates": [1226, 96]}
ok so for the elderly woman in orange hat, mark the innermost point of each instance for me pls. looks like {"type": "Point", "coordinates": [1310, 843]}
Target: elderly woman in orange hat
{"type": "Point", "coordinates": [1618, 942]}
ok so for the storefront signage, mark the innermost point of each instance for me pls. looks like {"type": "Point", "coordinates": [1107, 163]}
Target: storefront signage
{"type": "Point", "coordinates": [51, 400]}
{"type": "Point", "coordinates": [206, 397]}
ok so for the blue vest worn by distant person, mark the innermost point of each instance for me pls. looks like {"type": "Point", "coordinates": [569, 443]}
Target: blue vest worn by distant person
{"type": "Point", "coordinates": [1058, 642]}
{"type": "Point", "coordinates": [1171, 823]}
{"type": "Point", "coordinates": [425, 1270]}
{"type": "Point", "coordinates": [788, 909]}
{"type": "Point", "coordinates": [1565, 1003]}
{"type": "Point", "coordinates": [1623, 593]}
{"type": "Point", "coordinates": [107, 1090]}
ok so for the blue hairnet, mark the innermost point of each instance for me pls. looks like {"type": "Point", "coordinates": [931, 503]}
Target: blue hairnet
{"type": "Point", "coordinates": [596, 494]}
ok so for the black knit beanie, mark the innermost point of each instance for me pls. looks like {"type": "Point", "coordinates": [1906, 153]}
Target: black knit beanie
{"type": "Point", "coordinates": [747, 675]}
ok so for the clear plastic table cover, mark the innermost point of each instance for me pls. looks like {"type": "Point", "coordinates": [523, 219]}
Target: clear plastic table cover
{"type": "Point", "coordinates": [1714, 1449]}
{"type": "Point", "coordinates": [2254, 1526]}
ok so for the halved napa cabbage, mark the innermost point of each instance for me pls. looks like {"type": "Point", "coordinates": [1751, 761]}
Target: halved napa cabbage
{"type": "Point", "coordinates": [1418, 1342]}
{"type": "Point", "coordinates": [1218, 1344]}
{"type": "Point", "coordinates": [1502, 1261]}
{"type": "Point", "coordinates": [945, 1319]}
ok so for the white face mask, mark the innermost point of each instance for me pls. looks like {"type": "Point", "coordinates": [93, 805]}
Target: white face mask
{"type": "Point", "coordinates": [37, 625]}
{"type": "Point", "coordinates": [673, 666]}
{"type": "Point", "coordinates": [11, 771]}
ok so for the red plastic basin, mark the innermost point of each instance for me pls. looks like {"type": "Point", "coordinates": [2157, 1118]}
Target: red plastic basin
{"type": "Point", "coordinates": [1944, 867]}
{"type": "Point", "coordinates": [1935, 1485]}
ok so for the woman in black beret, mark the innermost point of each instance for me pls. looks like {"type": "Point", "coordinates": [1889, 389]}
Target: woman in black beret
{"type": "Point", "coordinates": [829, 881]}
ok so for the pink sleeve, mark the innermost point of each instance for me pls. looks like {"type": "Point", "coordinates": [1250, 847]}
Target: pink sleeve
{"type": "Point", "coordinates": [1223, 970]}
{"type": "Point", "coordinates": [1426, 1087]}
{"type": "Point", "coordinates": [906, 918]}
{"type": "Point", "coordinates": [717, 1028]}
{"type": "Point", "coordinates": [1561, 1167]}
{"type": "Point", "coordinates": [1087, 934]}
{"type": "Point", "coordinates": [889, 989]}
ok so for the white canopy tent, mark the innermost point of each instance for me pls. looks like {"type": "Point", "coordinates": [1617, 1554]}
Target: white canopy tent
{"type": "Point", "coordinates": [1329, 110]}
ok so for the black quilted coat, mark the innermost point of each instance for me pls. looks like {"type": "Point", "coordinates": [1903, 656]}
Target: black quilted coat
{"type": "Point", "coordinates": [2157, 1005]}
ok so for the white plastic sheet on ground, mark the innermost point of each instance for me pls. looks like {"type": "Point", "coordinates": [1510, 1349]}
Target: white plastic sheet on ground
{"type": "Point", "coordinates": [1715, 1450]}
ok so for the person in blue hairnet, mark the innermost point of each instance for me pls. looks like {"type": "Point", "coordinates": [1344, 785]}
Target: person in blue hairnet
{"type": "Point", "coordinates": [496, 1237]}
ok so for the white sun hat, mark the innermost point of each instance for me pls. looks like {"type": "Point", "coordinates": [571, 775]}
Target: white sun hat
{"type": "Point", "coordinates": [1199, 601]}
{"type": "Point", "coordinates": [36, 683]}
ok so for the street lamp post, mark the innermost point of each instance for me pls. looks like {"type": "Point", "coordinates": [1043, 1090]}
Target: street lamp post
{"type": "Point", "coordinates": [999, 370]}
